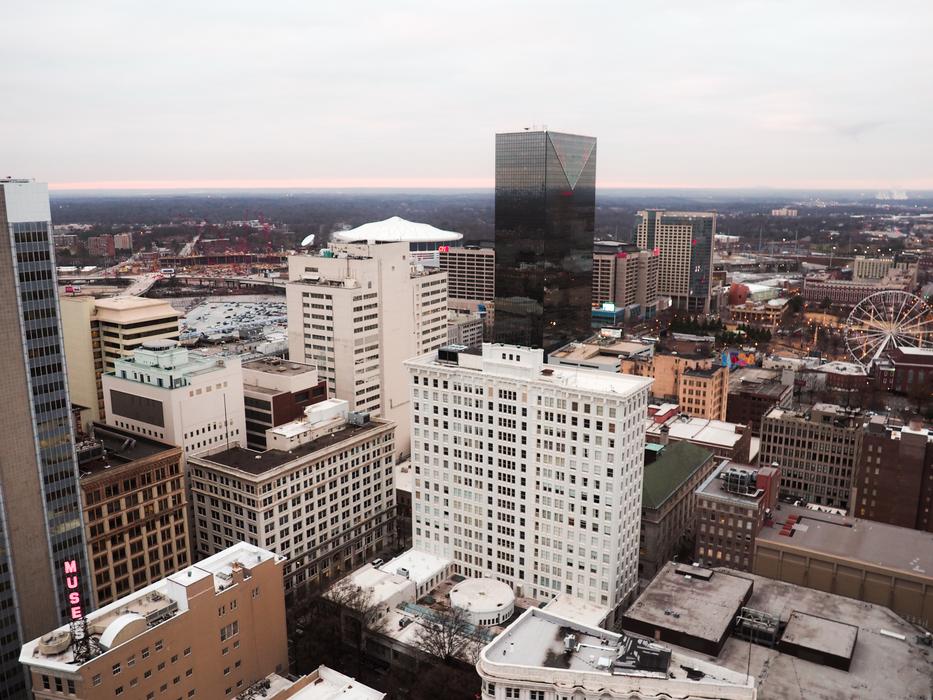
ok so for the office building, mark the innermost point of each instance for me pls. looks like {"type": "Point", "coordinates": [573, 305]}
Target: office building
{"type": "Point", "coordinates": [894, 479]}
{"type": "Point", "coordinates": [545, 220]}
{"type": "Point", "coordinates": [733, 504]}
{"type": "Point", "coordinates": [684, 241]}
{"type": "Point", "coordinates": [322, 495]}
{"type": "Point", "coordinates": [820, 289]}
{"type": "Point", "coordinates": [529, 473]}
{"type": "Point", "coordinates": [276, 392]}
{"type": "Point", "coordinates": [135, 510]}
{"type": "Point", "coordinates": [471, 272]}
{"type": "Point", "coordinates": [625, 277]}
{"type": "Point", "coordinates": [911, 370]}
{"type": "Point", "coordinates": [546, 655]}
{"type": "Point", "coordinates": [123, 241]}
{"type": "Point", "coordinates": [357, 311]}
{"type": "Point", "coordinates": [40, 513]}
{"type": "Point", "coordinates": [424, 241]}
{"type": "Point", "coordinates": [696, 381]}
{"type": "Point", "coordinates": [97, 332]}
{"type": "Point", "coordinates": [817, 450]}
{"type": "Point", "coordinates": [178, 396]}
{"type": "Point", "coordinates": [668, 502]}
{"type": "Point", "coordinates": [784, 211]}
{"type": "Point", "coordinates": [211, 630]}
{"type": "Point", "coordinates": [793, 641]}
{"type": "Point", "coordinates": [862, 559]}
{"type": "Point", "coordinates": [753, 392]}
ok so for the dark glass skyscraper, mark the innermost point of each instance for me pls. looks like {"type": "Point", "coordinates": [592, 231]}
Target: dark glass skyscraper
{"type": "Point", "coordinates": [41, 532]}
{"type": "Point", "coordinates": [545, 219]}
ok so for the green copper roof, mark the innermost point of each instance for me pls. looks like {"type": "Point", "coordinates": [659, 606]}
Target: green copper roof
{"type": "Point", "coordinates": [675, 464]}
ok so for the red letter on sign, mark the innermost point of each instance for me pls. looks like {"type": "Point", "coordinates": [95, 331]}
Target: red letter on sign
{"type": "Point", "coordinates": [71, 581]}
{"type": "Point", "coordinates": [76, 612]}
{"type": "Point", "coordinates": [71, 567]}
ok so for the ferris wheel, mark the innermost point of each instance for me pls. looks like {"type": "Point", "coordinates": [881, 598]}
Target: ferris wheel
{"type": "Point", "coordinates": [887, 319]}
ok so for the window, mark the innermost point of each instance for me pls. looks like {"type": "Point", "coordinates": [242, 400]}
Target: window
{"type": "Point", "coordinates": [118, 691]}
{"type": "Point", "coordinates": [95, 679]}
{"type": "Point", "coordinates": [116, 669]}
{"type": "Point", "coordinates": [158, 645]}
{"type": "Point", "coordinates": [514, 692]}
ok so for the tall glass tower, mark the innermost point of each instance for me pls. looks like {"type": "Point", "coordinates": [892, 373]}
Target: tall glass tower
{"type": "Point", "coordinates": [41, 533]}
{"type": "Point", "coordinates": [545, 220]}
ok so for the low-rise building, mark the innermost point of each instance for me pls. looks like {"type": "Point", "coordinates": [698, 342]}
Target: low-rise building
{"type": "Point", "coordinates": [321, 684]}
{"type": "Point", "coordinates": [794, 641]}
{"type": "Point", "coordinates": [322, 495]}
{"type": "Point", "coordinates": [912, 370]}
{"type": "Point", "coordinates": [766, 315]}
{"type": "Point", "coordinates": [733, 441]}
{"type": "Point", "coordinates": [668, 502]}
{"type": "Point", "coordinates": [464, 328]}
{"type": "Point", "coordinates": [211, 630]}
{"type": "Point", "coordinates": [893, 481]}
{"type": "Point", "coordinates": [544, 655]}
{"type": "Point", "coordinates": [816, 449]}
{"type": "Point", "coordinates": [276, 392]}
{"type": "Point", "coordinates": [862, 559]}
{"type": "Point", "coordinates": [819, 289]}
{"type": "Point", "coordinates": [135, 508]}
{"type": "Point", "coordinates": [169, 393]}
{"type": "Point", "coordinates": [733, 504]}
{"type": "Point", "coordinates": [753, 392]}
{"type": "Point", "coordinates": [704, 392]}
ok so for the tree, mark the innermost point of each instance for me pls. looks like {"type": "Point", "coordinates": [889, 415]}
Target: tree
{"type": "Point", "coordinates": [448, 636]}
{"type": "Point", "coordinates": [826, 303]}
{"type": "Point", "coordinates": [795, 304]}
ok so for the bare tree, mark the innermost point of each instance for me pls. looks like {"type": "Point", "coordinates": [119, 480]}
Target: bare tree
{"type": "Point", "coordinates": [448, 635]}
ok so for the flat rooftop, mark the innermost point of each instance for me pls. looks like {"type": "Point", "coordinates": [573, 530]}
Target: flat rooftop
{"type": "Point", "coordinates": [710, 432]}
{"type": "Point", "coordinates": [820, 634]}
{"type": "Point", "coordinates": [696, 606]}
{"type": "Point", "coordinates": [887, 546]}
{"type": "Point", "coordinates": [676, 463]}
{"type": "Point", "coordinates": [714, 486]}
{"type": "Point", "coordinates": [258, 463]}
{"type": "Point", "coordinates": [321, 684]}
{"type": "Point", "coordinates": [421, 566]}
{"type": "Point", "coordinates": [109, 448]}
{"type": "Point", "coordinates": [539, 639]}
{"type": "Point", "coordinates": [882, 666]}
{"type": "Point", "coordinates": [273, 365]}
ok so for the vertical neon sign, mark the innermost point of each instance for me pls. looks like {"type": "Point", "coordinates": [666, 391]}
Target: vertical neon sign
{"type": "Point", "coordinates": [74, 593]}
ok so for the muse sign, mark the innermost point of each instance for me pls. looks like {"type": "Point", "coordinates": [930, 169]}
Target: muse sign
{"type": "Point", "coordinates": [72, 585]}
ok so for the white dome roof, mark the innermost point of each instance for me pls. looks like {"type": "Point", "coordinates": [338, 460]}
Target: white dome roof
{"type": "Point", "coordinates": [396, 229]}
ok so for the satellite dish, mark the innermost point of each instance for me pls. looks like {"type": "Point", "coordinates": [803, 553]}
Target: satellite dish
{"type": "Point", "coordinates": [308, 240]}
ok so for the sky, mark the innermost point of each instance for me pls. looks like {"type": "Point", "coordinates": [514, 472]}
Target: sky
{"type": "Point", "coordinates": [306, 93]}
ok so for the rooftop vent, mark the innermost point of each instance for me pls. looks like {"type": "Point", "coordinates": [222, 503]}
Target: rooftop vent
{"type": "Point", "coordinates": [55, 643]}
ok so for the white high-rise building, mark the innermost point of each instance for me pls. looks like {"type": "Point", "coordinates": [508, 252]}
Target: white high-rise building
{"type": "Point", "coordinates": [357, 311]}
{"type": "Point", "coordinates": [529, 473]}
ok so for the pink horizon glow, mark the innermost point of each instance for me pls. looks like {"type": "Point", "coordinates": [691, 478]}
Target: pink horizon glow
{"type": "Point", "coordinates": [434, 183]}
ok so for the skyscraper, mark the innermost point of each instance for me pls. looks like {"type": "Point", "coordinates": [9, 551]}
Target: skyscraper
{"type": "Point", "coordinates": [40, 512]}
{"type": "Point", "coordinates": [684, 241]}
{"type": "Point", "coordinates": [545, 220]}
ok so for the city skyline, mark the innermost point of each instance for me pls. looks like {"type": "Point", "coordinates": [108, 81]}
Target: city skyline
{"type": "Point", "coordinates": [722, 95]}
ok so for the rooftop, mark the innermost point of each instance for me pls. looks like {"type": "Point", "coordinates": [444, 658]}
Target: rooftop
{"type": "Point", "coordinates": [258, 463]}
{"type": "Point", "coordinates": [675, 464]}
{"type": "Point", "coordinates": [745, 376]}
{"type": "Point", "coordinates": [692, 600]}
{"type": "Point", "coordinates": [321, 684]}
{"type": "Point", "coordinates": [715, 485]}
{"type": "Point", "coordinates": [396, 229]}
{"type": "Point", "coordinates": [583, 655]}
{"type": "Point", "coordinates": [109, 448]}
{"type": "Point", "coordinates": [421, 566]}
{"type": "Point", "coordinates": [709, 432]}
{"type": "Point", "coordinates": [882, 666]}
{"type": "Point", "coordinates": [819, 634]}
{"type": "Point", "coordinates": [886, 546]}
{"type": "Point", "coordinates": [273, 365]}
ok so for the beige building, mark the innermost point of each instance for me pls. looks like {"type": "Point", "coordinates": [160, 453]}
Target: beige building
{"type": "Point", "coordinates": [322, 495]}
{"type": "Point", "coordinates": [209, 631]}
{"type": "Point", "coordinates": [697, 383]}
{"type": "Point", "coordinates": [626, 276]}
{"type": "Point", "coordinates": [864, 268]}
{"type": "Point", "coordinates": [135, 511]}
{"type": "Point", "coordinates": [862, 559]}
{"type": "Point", "coordinates": [97, 332]}
{"type": "Point", "coordinates": [684, 242]}
{"type": "Point", "coordinates": [357, 312]}
{"type": "Point", "coordinates": [185, 398]}
{"type": "Point", "coordinates": [471, 272]}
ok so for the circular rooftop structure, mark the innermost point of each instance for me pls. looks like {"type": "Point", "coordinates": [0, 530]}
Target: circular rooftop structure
{"type": "Point", "coordinates": [159, 344]}
{"type": "Point", "coordinates": [485, 601]}
{"type": "Point", "coordinates": [396, 230]}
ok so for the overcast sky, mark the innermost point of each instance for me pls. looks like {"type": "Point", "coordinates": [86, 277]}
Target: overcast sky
{"type": "Point", "coordinates": [702, 93]}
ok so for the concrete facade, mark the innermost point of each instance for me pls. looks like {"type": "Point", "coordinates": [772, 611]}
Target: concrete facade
{"type": "Point", "coordinates": [626, 277]}
{"type": "Point", "coordinates": [471, 272]}
{"type": "Point", "coordinates": [358, 314]}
